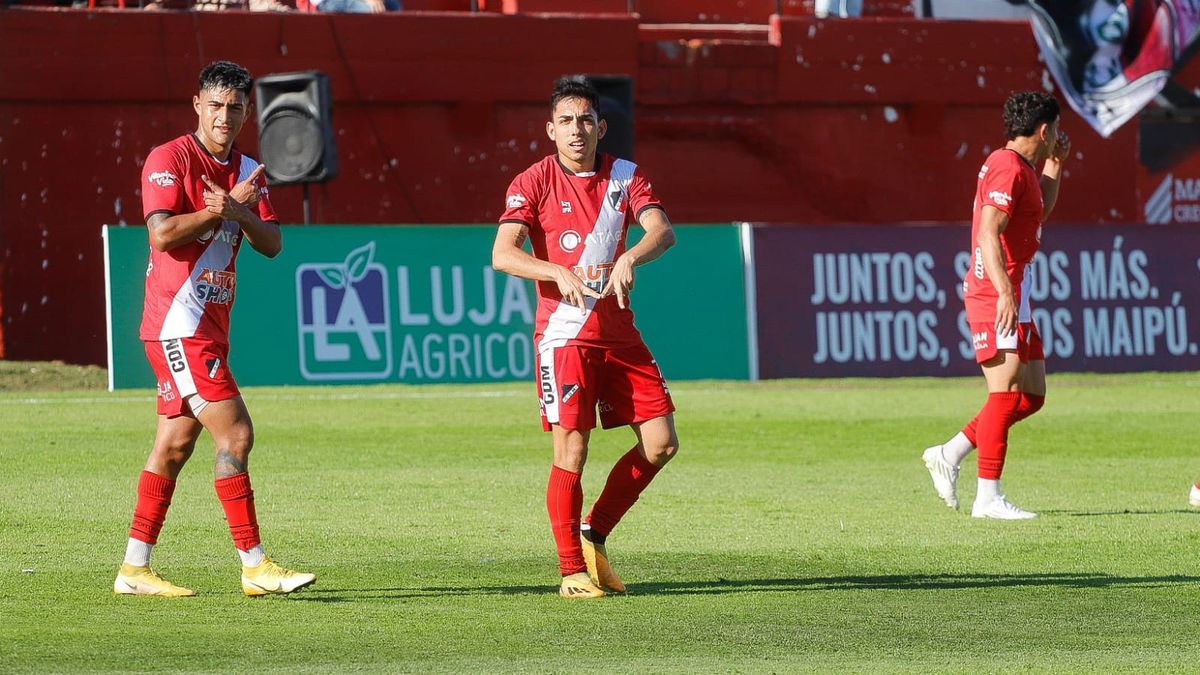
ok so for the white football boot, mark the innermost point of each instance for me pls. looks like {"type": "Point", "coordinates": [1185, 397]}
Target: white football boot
{"type": "Point", "coordinates": [1000, 508]}
{"type": "Point", "coordinates": [1194, 496]}
{"type": "Point", "coordinates": [944, 475]}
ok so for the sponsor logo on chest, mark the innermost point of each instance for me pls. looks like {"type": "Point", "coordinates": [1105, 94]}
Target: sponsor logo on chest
{"type": "Point", "coordinates": [215, 286]}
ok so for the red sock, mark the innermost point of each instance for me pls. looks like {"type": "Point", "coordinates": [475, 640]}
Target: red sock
{"type": "Point", "coordinates": [1030, 403]}
{"type": "Point", "coordinates": [237, 498]}
{"type": "Point", "coordinates": [154, 496]}
{"type": "Point", "coordinates": [626, 481]}
{"type": "Point", "coordinates": [564, 503]}
{"type": "Point", "coordinates": [971, 431]}
{"type": "Point", "coordinates": [995, 419]}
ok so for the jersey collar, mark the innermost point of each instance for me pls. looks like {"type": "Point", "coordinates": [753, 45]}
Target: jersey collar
{"type": "Point", "coordinates": [205, 150]}
{"type": "Point", "coordinates": [596, 170]}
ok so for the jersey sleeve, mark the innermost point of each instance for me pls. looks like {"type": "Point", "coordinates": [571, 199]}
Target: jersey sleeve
{"type": "Point", "coordinates": [641, 196]}
{"type": "Point", "coordinates": [1001, 186]}
{"type": "Point", "coordinates": [521, 200]}
{"type": "Point", "coordinates": [162, 183]}
{"type": "Point", "coordinates": [266, 210]}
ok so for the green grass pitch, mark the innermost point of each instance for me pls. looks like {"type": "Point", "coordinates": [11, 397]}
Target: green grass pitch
{"type": "Point", "coordinates": [796, 531]}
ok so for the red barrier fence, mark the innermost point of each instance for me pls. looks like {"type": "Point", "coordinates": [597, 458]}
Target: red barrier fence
{"type": "Point", "coordinates": [872, 121]}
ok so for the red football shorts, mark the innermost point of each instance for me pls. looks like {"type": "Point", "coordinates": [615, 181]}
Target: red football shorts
{"type": "Point", "coordinates": [624, 383]}
{"type": "Point", "coordinates": [186, 366]}
{"type": "Point", "coordinates": [1026, 342]}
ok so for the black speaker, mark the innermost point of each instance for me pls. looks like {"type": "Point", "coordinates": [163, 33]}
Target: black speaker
{"type": "Point", "coordinates": [295, 128]}
{"type": "Point", "coordinates": [616, 108]}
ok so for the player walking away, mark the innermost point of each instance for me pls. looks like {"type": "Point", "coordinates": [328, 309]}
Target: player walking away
{"type": "Point", "coordinates": [1011, 202]}
{"type": "Point", "coordinates": [576, 206]}
{"type": "Point", "coordinates": [201, 197]}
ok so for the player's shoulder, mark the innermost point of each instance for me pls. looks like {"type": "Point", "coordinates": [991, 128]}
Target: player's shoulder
{"type": "Point", "coordinates": [167, 163]}
{"type": "Point", "coordinates": [617, 168]}
{"type": "Point", "coordinates": [1001, 157]}
{"type": "Point", "coordinates": [539, 170]}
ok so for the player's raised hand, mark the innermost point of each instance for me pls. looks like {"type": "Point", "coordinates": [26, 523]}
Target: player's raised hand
{"type": "Point", "coordinates": [219, 202]}
{"type": "Point", "coordinates": [247, 191]}
{"type": "Point", "coordinates": [572, 288]}
{"type": "Point", "coordinates": [1006, 315]}
{"type": "Point", "coordinates": [1062, 146]}
{"type": "Point", "coordinates": [620, 281]}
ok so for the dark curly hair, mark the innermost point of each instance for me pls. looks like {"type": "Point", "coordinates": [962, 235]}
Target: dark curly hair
{"type": "Point", "coordinates": [574, 86]}
{"type": "Point", "coordinates": [1024, 111]}
{"type": "Point", "coordinates": [226, 75]}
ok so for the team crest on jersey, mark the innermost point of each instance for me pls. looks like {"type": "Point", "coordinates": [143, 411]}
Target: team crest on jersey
{"type": "Point", "coordinates": [617, 199]}
{"type": "Point", "coordinates": [569, 241]}
{"type": "Point", "coordinates": [516, 201]}
{"type": "Point", "coordinates": [163, 178]}
{"type": "Point", "coordinates": [344, 318]}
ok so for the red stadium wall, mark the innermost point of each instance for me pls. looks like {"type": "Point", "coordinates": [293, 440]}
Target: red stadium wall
{"type": "Point", "coordinates": [864, 121]}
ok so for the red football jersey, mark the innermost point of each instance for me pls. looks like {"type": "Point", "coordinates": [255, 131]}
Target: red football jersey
{"type": "Point", "coordinates": [1009, 183]}
{"type": "Point", "coordinates": [190, 289]}
{"type": "Point", "coordinates": [580, 221]}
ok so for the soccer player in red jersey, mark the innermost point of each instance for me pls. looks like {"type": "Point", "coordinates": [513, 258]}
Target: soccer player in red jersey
{"type": "Point", "coordinates": [576, 206]}
{"type": "Point", "coordinates": [1011, 203]}
{"type": "Point", "coordinates": [201, 198]}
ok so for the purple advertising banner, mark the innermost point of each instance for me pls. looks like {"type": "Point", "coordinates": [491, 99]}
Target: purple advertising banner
{"type": "Point", "coordinates": [887, 300]}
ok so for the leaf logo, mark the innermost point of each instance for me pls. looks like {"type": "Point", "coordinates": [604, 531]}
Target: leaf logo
{"type": "Point", "coordinates": [358, 261]}
{"type": "Point", "coordinates": [353, 268]}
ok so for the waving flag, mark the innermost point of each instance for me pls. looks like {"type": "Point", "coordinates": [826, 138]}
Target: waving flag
{"type": "Point", "coordinates": [1111, 57]}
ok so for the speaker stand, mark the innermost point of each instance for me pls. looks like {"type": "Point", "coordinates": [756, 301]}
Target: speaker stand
{"type": "Point", "coordinates": [307, 207]}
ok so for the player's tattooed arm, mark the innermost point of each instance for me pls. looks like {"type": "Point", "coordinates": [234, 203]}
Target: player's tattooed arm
{"type": "Point", "coordinates": [228, 465]}
{"type": "Point", "coordinates": [510, 258]}
{"type": "Point", "coordinates": [168, 230]}
{"type": "Point", "coordinates": [520, 237]}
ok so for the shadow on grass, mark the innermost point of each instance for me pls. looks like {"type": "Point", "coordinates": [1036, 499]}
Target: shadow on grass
{"type": "Point", "coordinates": [903, 582]}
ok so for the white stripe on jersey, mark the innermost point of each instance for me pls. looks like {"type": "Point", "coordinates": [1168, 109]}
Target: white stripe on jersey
{"type": "Point", "coordinates": [186, 310]}
{"type": "Point", "coordinates": [600, 246]}
{"type": "Point", "coordinates": [249, 164]}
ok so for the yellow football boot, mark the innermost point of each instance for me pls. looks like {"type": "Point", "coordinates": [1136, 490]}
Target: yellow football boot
{"type": "Point", "coordinates": [579, 587]}
{"type": "Point", "coordinates": [134, 580]}
{"type": "Point", "coordinates": [599, 570]}
{"type": "Point", "coordinates": [268, 577]}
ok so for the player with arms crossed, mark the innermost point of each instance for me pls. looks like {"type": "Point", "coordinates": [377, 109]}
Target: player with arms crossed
{"type": "Point", "coordinates": [201, 198]}
{"type": "Point", "coordinates": [576, 207]}
{"type": "Point", "coordinates": [1011, 203]}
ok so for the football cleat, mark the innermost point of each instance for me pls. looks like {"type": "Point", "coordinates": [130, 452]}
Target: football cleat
{"type": "Point", "coordinates": [944, 475]}
{"type": "Point", "coordinates": [598, 569]}
{"type": "Point", "coordinates": [1001, 509]}
{"type": "Point", "coordinates": [141, 580]}
{"type": "Point", "coordinates": [269, 577]}
{"type": "Point", "coordinates": [579, 586]}
{"type": "Point", "coordinates": [1193, 497]}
